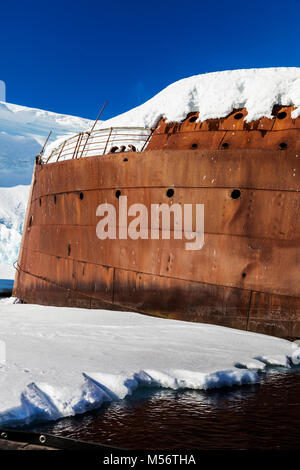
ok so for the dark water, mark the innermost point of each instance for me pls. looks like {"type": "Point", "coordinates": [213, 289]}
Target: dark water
{"type": "Point", "coordinates": [262, 416]}
{"type": "Point", "coordinates": [6, 287]}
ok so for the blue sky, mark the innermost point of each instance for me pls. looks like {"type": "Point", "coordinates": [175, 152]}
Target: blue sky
{"type": "Point", "coordinates": [71, 56]}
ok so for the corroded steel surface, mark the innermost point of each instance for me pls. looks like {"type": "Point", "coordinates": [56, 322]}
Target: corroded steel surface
{"type": "Point", "coordinates": [246, 275]}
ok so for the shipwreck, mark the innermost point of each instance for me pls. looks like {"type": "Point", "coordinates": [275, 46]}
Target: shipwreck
{"type": "Point", "coordinates": [246, 174]}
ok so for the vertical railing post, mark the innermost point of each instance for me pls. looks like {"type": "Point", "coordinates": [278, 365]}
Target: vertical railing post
{"type": "Point", "coordinates": [61, 150]}
{"type": "Point", "coordinates": [50, 156]}
{"type": "Point", "coordinates": [147, 140]}
{"type": "Point", "coordinates": [107, 141]}
{"type": "Point", "coordinates": [85, 143]}
{"type": "Point", "coordinates": [77, 147]}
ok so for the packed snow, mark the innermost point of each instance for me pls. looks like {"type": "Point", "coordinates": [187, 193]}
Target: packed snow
{"type": "Point", "coordinates": [64, 361]}
{"type": "Point", "coordinates": [23, 132]}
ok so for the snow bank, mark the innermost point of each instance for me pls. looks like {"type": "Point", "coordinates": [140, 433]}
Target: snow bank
{"type": "Point", "coordinates": [23, 132]}
{"type": "Point", "coordinates": [216, 94]}
{"type": "Point", "coordinates": [64, 361]}
{"type": "Point", "coordinates": [13, 203]}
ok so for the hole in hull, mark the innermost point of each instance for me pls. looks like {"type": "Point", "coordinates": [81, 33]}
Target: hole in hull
{"type": "Point", "coordinates": [235, 194]}
{"type": "Point", "coordinates": [238, 116]}
{"type": "Point", "coordinates": [170, 192]}
{"type": "Point", "coordinates": [282, 146]}
{"type": "Point", "coordinates": [281, 115]}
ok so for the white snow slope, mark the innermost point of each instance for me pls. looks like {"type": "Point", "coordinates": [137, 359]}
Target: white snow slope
{"type": "Point", "coordinates": [23, 132]}
{"type": "Point", "coordinates": [64, 361]}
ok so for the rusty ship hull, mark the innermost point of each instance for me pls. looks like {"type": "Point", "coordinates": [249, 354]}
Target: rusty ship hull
{"type": "Point", "coordinates": [246, 275]}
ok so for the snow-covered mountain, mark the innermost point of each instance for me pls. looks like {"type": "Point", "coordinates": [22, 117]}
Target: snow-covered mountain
{"type": "Point", "coordinates": [23, 132]}
{"type": "Point", "coordinates": [13, 203]}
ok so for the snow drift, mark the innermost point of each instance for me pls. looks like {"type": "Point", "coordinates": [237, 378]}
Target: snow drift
{"type": "Point", "coordinates": [65, 361]}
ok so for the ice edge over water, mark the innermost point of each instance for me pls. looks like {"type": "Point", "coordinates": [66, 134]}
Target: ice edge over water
{"type": "Point", "coordinates": [62, 362]}
{"type": "Point", "coordinates": [42, 402]}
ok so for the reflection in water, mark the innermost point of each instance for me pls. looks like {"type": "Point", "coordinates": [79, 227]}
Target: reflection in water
{"type": "Point", "coordinates": [248, 417]}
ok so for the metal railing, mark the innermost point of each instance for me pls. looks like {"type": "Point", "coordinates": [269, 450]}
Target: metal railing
{"type": "Point", "coordinates": [100, 142]}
